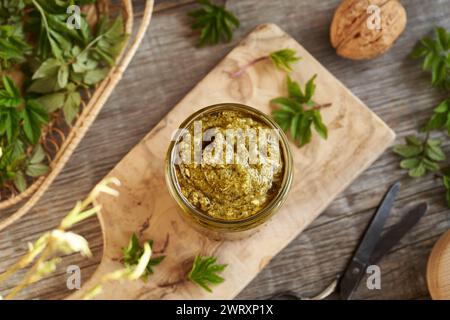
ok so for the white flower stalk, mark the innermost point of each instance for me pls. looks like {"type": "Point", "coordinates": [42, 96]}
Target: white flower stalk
{"type": "Point", "coordinates": [59, 241]}
{"type": "Point", "coordinates": [129, 273]}
{"type": "Point", "coordinates": [69, 242]}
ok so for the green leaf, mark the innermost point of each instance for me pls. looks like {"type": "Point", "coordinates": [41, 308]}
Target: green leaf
{"type": "Point", "coordinates": [204, 272]}
{"type": "Point", "coordinates": [286, 104]}
{"type": "Point", "coordinates": [49, 68]}
{"type": "Point", "coordinates": [319, 125]}
{"type": "Point", "coordinates": [19, 181]}
{"type": "Point", "coordinates": [37, 170]}
{"type": "Point", "coordinates": [295, 126]}
{"type": "Point", "coordinates": [33, 116]}
{"type": "Point", "coordinates": [410, 163]}
{"type": "Point", "coordinates": [310, 88]}
{"type": "Point", "coordinates": [418, 171]}
{"type": "Point", "coordinates": [408, 151]}
{"type": "Point", "coordinates": [298, 113]}
{"type": "Point", "coordinates": [436, 57]}
{"type": "Point", "coordinates": [9, 97]}
{"type": "Point", "coordinates": [63, 76]}
{"type": "Point", "coordinates": [93, 77]}
{"type": "Point", "coordinates": [38, 155]}
{"type": "Point", "coordinates": [446, 181]}
{"type": "Point", "coordinates": [283, 59]}
{"type": "Point", "coordinates": [413, 140]}
{"type": "Point", "coordinates": [53, 101]}
{"type": "Point", "coordinates": [71, 106]}
{"type": "Point", "coordinates": [214, 22]}
{"type": "Point", "coordinates": [133, 252]}
{"type": "Point", "coordinates": [431, 165]}
{"type": "Point", "coordinates": [435, 153]}
{"type": "Point", "coordinates": [294, 90]}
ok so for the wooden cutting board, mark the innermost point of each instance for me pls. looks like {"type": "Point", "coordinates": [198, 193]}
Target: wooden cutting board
{"type": "Point", "coordinates": [323, 169]}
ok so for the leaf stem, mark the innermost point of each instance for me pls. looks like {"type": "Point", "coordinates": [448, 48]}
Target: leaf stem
{"type": "Point", "coordinates": [241, 70]}
{"type": "Point", "coordinates": [320, 106]}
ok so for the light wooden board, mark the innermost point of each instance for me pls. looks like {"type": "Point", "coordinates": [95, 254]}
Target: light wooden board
{"type": "Point", "coordinates": [323, 169]}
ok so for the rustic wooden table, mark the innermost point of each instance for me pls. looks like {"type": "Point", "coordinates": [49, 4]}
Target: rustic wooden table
{"type": "Point", "coordinates": [168, 65]}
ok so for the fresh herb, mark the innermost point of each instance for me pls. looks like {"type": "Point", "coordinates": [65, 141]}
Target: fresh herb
{"type": "Point", "coordinates": [424, 155]}
{"type": "Point", "coordinates": [43, 255]}
{"type": "Point", "coordinates": [436, 57]}
{"type": "Point", "coordinates": [215, 23]}
{"type": "Point", "coordinates": [133, 253]}
{"type": "Point", "coordinates": [440, 118]}
{"type": "Point", "coordinates": [282, 59]}
{"type": "Point", "coordinates": [420, 156]}
{"type": "Point", "coordinates": [204, 272]}
{"type": "Point", "coordinates": [54, 65]}
{"type": "Point", "coordinates": [298, 113]}
{"type": "Point", "coordinates": [13, 48]}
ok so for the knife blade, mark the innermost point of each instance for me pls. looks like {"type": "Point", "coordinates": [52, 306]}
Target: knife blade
{"type": "Point", "coordinates": [358, 264]}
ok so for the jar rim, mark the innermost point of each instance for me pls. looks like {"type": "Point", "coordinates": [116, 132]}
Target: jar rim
{"type": "Point", "coordinates": [286, 182]}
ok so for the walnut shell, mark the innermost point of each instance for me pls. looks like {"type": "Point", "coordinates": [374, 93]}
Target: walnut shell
{"type": "Point", "coordinates": [350, 33]}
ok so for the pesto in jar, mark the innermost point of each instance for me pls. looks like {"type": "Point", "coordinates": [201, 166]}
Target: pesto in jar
{"type": "Point", "coordinates": [228, 186]}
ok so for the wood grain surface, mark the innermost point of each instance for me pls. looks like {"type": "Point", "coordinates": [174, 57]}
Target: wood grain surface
{"type": "Point", "coordinates": [168, 65]}
{"type": "Point", "coordinates": [321, 171]}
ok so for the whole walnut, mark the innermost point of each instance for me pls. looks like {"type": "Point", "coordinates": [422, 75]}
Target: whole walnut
{"type": "Point", "coordinates": [364, 29]}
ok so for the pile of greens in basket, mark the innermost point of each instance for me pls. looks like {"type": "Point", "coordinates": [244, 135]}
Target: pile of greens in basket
{"type": "Point", "coordinates": [49, 60]}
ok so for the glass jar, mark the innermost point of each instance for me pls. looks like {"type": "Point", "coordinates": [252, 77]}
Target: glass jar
{"type": "Point", "coordinates": [215, 227]}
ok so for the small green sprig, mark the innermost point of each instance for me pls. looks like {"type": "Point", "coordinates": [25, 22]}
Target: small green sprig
{"type": "Point", "coordinates": [440, 118]}
{"type": "Point", "coordinates": [205, 271]}
{"type": "Point", "coordinates": [133, 253]}
{"type": "Point", "coordinates": [436, 57]}
{"type": "Point", "coordinates": [13, 47]}
{"type": "Point", "coordinates": [215, 22]}
{"type": "Point", "coordinates": [420, 155]}
{"type": "Point", "coordinates": [298, 113]}
{"type": "Point", "coordinates": [282, 59]}
{"type": "Point", "coordinates": [423, 155]}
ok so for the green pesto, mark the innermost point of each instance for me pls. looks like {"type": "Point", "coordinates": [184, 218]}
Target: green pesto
{"type": "Point", "coordinates": [235, 190]}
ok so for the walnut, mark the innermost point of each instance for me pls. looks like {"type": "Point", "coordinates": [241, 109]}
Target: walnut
{"type": "Point", "coordinates": [355, 33]}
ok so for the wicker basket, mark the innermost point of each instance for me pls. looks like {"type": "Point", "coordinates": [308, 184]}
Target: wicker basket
{"type": "Point", "coordinates": [67, 142]}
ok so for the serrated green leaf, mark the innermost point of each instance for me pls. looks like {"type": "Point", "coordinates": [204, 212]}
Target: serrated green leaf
{"type": "Point", "coordinates": [133, 252]}
{"type": "Point", "coordinates": [283, 59]}
{"type": "Point", "coordinates": [214, 22]}
{"type": "Point", "coordinates": [204, 272]}
{"type": "Point", "coordinates": [33, 116]}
